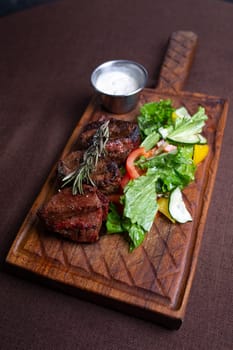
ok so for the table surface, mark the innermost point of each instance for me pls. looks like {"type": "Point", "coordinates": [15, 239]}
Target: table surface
{"type": "Point", "coordinates": [46, 58]}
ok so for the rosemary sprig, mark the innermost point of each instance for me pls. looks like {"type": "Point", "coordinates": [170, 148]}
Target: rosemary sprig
{"type": "Point", "coordinates": [90, 159]}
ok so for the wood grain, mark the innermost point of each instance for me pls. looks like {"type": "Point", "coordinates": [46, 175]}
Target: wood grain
{"type": "Point", "coordinates": [177, 62]}
{"type": "Point", "coordinates": [154, 281]}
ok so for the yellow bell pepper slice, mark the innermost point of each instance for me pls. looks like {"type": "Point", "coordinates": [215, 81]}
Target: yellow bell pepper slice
{"type": "Point", "coordinates": [174, 116]}
{"type": "Point", "coordinates": [163, 208]}
{"type": "Point", "coordinates": [199, 153]}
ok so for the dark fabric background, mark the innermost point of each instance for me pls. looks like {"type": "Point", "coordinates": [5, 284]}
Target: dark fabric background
{"type": "Point", "coordinates": [46, 57]}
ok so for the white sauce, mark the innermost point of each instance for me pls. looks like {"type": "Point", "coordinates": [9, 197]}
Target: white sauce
{"type": "Point", "coordinates": [116, 83]}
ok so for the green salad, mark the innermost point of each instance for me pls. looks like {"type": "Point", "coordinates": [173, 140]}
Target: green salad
{"type": "Point", "coordinates": [158, 170]}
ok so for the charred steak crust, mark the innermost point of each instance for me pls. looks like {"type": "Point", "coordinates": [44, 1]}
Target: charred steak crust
{"type": "Point", "coordinates": [81, 228]}
{"type": "Point", "coordinates": [78, 217]}
{"type": "Point", "coordinates": [68, 164]}
{"type": "Point", "coordinates": [106, 175]}
{"type": "Point", "coordinates": [124, 136]}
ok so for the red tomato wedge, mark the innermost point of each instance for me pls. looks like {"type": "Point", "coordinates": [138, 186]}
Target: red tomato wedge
{"type": "Point", "coordinates": [125, 179]}
{"type": "Point", "coordinates": [132, 170]}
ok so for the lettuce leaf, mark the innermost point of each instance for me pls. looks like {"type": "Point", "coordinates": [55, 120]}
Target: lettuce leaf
{"type": "Point", "coordinates": [170, 170]}
{"type": "Point", "coordinates": [153, 115]}
{"type": "Point", "coordinates": [140, 201]}
{"type": "Point", "coordinates": [140, 208]}
{"type": "Point", "coordinates": [119, 224]}
{"type": "Point", "coordinates": [114, 220]}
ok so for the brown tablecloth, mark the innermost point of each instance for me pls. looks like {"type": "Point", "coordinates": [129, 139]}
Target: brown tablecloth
{"type": "Point", "coordinates": [46, 57]}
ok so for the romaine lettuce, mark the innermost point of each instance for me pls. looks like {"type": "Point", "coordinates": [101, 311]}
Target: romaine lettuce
{"type": "Point", "coordinates": [140, 208]}
{"type": "Point", "coordinates": [140, 201]}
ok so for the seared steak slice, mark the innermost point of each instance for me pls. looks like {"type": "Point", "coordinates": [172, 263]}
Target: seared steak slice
{"type": "Point", "coordinates": [78, 217]}
{"type": "Point", "coordinates": [106, 175]}
{"type": "Point", "coordinates": [84, 227]}
{"type": "Point", "coordinates": [124, 136]}
{"type": "Point", "coordinates": [105, 204]}
{"type": "Point", "coordinates": [69, 164]}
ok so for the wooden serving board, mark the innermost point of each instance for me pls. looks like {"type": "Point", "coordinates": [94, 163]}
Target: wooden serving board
{"type": "Point", "coordinates": [154, 281]}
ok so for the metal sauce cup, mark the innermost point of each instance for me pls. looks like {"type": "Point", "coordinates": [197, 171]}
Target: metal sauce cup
{"type": "Point", "coordinates": [119, 83]}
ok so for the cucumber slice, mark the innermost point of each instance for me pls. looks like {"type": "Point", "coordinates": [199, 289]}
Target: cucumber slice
{"type": "Point", "coordinates": [182, 138]}
{"type": "Point", "coordinates": [177, 208]}
{"type": "Point", "coordinates": [188, 140]}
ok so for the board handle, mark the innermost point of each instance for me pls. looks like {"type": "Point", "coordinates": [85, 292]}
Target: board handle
{"type": "Point", "coordinates": [177, 62]}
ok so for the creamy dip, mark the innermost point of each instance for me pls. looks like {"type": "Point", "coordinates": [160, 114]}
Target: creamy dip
{"type": "Point", "coordinates": [116, 83]}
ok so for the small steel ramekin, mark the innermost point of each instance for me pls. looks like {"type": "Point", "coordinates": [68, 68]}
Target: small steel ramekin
{"type": "Point", "coordinates": [120, 102]}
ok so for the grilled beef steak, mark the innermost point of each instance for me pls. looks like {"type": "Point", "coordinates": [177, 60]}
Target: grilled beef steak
{"type": "Point", "coordinates": [69, 164]}
{"type": "Point", "coordinates": [124, 136]}
{"type": "Point", "coordinates": [78, 217]}
{"type": "Point", "coordinates": [106, 175]}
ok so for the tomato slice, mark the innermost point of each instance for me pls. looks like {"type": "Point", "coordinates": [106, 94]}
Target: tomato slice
{"type": "Point", "coordinates": [125, 179]}
{"type": "Point", "coordinates": [132, 170]}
